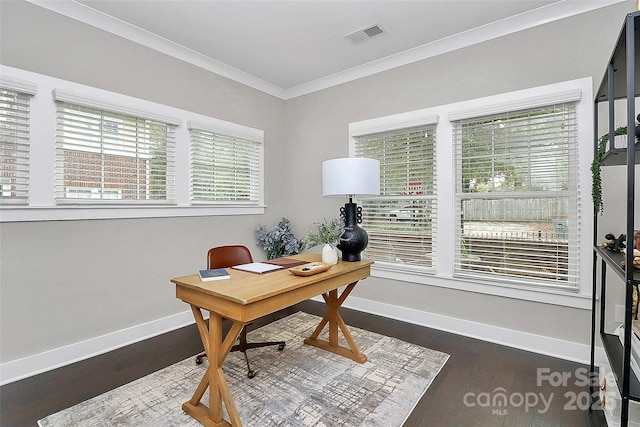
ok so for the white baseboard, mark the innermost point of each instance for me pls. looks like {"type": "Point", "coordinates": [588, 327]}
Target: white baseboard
{"type": "Point", "coordinates": [32, 365]}
{"type": "Point", "coordinates": [567, 350]}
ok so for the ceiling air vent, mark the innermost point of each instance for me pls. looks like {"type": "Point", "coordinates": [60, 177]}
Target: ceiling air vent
{"type": "Point", "coordinates": [365, 34]}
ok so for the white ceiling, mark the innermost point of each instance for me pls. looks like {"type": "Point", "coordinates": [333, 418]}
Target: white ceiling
{"type": "Point", "coordinates": [289, 48]}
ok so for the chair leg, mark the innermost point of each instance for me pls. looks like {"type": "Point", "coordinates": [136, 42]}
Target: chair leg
{"type": "Point", "coordinates": [200, 357]}
{"type": "Point", "coordinates": [250, 372]}
{"type": "Point", "coordinates": [243, 346]}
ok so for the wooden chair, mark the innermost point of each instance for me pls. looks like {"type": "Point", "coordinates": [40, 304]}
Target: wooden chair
{"type": "Point", "coordinates": [225, 257]}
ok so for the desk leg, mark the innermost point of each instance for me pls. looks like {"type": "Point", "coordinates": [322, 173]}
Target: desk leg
{"type": "Point", "coordinates": [334, 320]}
{"type": "Point", "coordinates": [214, 379]}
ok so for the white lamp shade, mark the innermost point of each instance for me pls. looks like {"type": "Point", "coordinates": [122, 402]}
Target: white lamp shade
{"type": "Point", "coordinates": [352, 176]}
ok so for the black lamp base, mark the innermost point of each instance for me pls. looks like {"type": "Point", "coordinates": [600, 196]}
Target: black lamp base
{"type": "Point", "coordinates": [354, 239]}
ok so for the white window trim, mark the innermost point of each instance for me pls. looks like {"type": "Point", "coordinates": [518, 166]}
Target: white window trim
{"type": "Point", "coordinates": [42, 205]}
{"type": "Point", "coordinates": [580, 90]}
{"type": "Point", "coordinates": [242, 132]}
{"type": "Point", "coordinates": [18, 85]}
{"type": "Point", "coordinates": [229, 129]}
{"type": "Point", "coordinates": [101, 104]}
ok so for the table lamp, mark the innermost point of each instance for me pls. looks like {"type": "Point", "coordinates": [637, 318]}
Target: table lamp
{"type": "Point", "coordinates": [351, 177]}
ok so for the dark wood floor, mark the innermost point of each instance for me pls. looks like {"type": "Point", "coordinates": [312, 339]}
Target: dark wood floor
{"type": "Point", "coordinates": [461, 395]}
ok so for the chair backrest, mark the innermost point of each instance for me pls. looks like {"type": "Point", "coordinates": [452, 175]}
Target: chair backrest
{"type": "Point", "coordinates": [228, 256]}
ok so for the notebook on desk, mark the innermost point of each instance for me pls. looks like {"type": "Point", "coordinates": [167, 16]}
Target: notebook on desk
{"type": "Point", "coordinates": [257, 267]}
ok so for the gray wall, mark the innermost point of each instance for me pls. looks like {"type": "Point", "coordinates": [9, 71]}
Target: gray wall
{"type": "Point", "coordinates": [66, 281]}
{"type": "Point", "coordinates": [318, 125]}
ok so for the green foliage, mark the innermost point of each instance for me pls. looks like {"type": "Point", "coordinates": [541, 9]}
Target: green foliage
{"type": "Point", "coordinates": [280, 240]}
{"type": "Point", "coordinates": [326, 232]}
{"type": "Point", "coordinates": [496, 152]}
{"type": "Point", "coordinates": [596, 183]}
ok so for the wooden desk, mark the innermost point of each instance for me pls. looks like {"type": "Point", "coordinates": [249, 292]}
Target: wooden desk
{"type": "Point", "coordinates": [247, 296]}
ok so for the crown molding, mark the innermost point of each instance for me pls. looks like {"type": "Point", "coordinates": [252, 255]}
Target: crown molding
{"type": "Point", "coordinates": [546, 14]}
{"type": "Point", "coordinates": [543, 15]}
{"type": "Point", "coordinates": [97, 19]}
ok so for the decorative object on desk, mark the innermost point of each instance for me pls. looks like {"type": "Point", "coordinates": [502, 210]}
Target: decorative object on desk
{"type": "Point", "coordinates": [329, 254]}
{"type": "Point", "coordinates": [613, 243]}
{"type": "Point", "coordinates": [214, 274]}
{"type": "Point", "coordinates": [303, 386]}
{"type": "Point", "coordinates": [280, 240]}
{"type": "Point", "coordinates": [311, 269]}
{"type": "Point", "coordinates": [327, 233]}
{"type": "Point", "coordinates": [351, 177]}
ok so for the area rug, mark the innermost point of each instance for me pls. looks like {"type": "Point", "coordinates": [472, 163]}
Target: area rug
{"type": "Point", "coordinates": [299, 386]}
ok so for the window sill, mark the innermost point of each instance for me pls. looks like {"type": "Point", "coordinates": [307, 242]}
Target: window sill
{"type": "Point", "coordinates": [65, 213]}
{"type": "Point", "coordinates": [542, 295]}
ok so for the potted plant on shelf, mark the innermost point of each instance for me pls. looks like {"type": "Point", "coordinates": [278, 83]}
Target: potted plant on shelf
{"type": "Point", "coordinates": [280, 240]}
{"type": "Point", "coordinates": [327, 233]}
{"type": "Point", "coordinates": [596, 183]}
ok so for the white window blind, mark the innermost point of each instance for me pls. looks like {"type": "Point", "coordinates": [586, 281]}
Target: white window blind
{"type": "Point", "coordinates": [517, 196]}
{"type": "Point", "coordinates": [224, 169]}
{"type": "Point", "coordinates": [14, 146]}
{"type": "Point", "coordinates": [401, 221]}
{"type": "Point", "coordinates": [111, 157]}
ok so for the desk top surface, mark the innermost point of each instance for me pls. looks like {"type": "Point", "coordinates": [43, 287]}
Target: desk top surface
{"type": "Point", "coordinates": [244, 287]}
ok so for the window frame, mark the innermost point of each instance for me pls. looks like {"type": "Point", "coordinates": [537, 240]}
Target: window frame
{"type": "Point", "coordinates": [246, 135]}
{"type": "Point", "coordinates": [68, 107]}
{"type": "Point", "coordinates": [24, 90]}
{"type": "Point", "coordinates": [399, 123]}
{"type": "Point", "coordinates": [527, 275]}
{"type": "Point", "coordinates": [42, 203]}
{"type": "Point", "coordinates": [443, 274]}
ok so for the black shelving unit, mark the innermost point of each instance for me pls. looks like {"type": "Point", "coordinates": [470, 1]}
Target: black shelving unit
{"type": "Point", "coordinates": [619, 83]}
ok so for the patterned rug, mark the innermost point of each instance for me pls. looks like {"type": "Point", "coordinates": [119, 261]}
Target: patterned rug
{"type": "Point", "coordinates": [300, 386]}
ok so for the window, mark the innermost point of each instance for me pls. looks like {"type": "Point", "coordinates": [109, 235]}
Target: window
{"type": "Point", "coordinates": [401, 221]}
{"type": "Point", "coordinates": [14, 141]}
{"type": "Point", "coordinates": [516, 196]}
{"type": "Point", "coordinates": [111, 157]}
{"type": "Point", "coordinates": [225, 169]}
{"type": "Point", "coordinates": [78, 152]}
{"type": "Point", "coordinates": [485, 195]}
